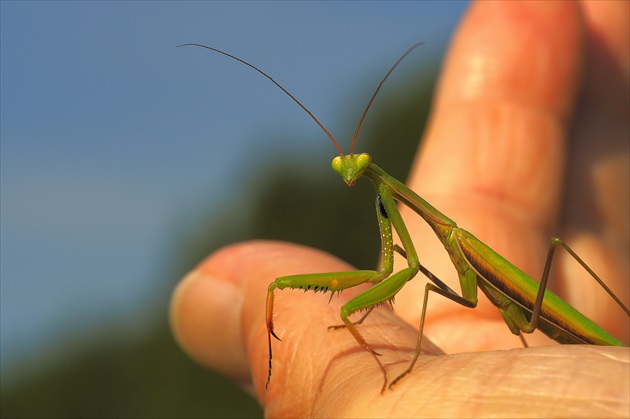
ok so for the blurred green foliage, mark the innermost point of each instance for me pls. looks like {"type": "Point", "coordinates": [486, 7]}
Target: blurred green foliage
{"type": "Point", "coordinates": [115, 375]}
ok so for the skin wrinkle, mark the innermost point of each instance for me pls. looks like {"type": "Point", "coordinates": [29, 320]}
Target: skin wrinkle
{"type": "Point", "coordinates": [513, 170]}
{"type": "Point", "coordinates": [489, 201]}
{"type": "Point", "coordinates": [486, 172]}
{"type": "Point", "coordinates": [477, 174]}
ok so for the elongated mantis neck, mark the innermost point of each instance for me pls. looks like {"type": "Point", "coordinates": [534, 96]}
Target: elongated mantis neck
{"type": "Point", "coordinates": [352, 166]}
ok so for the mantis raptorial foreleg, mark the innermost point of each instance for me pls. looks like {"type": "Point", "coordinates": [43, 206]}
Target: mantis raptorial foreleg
{"type": "Point", "coordinates": [386, 286]}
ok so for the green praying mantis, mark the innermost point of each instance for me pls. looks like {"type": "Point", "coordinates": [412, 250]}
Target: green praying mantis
{"type": "Point", "coordinates": [524, 304]}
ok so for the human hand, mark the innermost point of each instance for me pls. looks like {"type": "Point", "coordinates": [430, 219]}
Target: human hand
{"type": "Point", "coordinates": [510, 89]}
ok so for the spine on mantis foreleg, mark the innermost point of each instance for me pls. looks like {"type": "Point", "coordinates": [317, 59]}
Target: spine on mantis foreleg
{"type": "Point", "coordinates": [270, 332]}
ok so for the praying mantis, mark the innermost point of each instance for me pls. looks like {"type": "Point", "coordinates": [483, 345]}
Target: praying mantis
{"type": "Point", "coordinates": [524, 304]}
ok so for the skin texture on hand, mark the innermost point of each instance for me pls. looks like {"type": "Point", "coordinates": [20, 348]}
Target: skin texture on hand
{"type": "Point", "coordinates": [528, 139]}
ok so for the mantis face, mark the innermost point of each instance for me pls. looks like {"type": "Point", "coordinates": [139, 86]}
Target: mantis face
{"type": "Point", "coordinates": [351, 167]}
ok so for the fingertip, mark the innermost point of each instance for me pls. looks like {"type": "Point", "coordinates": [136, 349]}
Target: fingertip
{"type": "Point", "coordinates": [212, 311]}
{"type": "Point", "coordinates": [204, 312]}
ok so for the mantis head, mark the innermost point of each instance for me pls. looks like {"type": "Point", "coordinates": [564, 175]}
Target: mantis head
{"type": "Point", "coordinates": [351, 167]}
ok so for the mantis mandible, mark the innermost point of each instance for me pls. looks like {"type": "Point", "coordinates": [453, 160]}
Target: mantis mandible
{"type": "Point", "coordinates": [524, 304]}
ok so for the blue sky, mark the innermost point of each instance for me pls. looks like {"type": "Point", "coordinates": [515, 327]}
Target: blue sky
{"type": "Point", "coordinates": [108, 131]}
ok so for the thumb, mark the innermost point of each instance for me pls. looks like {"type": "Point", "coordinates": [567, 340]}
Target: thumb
{"type": "Point", "coordinates": [218, 317]}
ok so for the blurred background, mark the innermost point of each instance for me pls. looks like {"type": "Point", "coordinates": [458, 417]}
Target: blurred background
{"type": "Point", "coordinates": [125, 161]}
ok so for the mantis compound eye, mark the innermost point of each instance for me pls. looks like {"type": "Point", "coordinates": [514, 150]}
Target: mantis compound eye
{"type": "Point", "coordinates": [363, 160]}
{"type": "Point", "coordinates": [336, 164]}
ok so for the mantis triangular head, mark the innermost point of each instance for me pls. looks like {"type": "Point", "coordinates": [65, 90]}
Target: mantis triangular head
{"type": "Point", "coordinates": [351, 167]}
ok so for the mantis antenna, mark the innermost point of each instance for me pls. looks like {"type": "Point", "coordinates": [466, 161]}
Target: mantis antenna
{"type": "Point", "coordinates": [354, 139]}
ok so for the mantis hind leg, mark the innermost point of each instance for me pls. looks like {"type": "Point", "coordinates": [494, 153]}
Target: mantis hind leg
{"type": "Point", "coordinates": [555, 241]}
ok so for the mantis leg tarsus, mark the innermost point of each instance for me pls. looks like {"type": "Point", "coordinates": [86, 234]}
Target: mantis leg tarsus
{"type": "Point", "coordinates": [341, 326]}
{"type": "Point", "coordinates": [523, 341]}
{"type": "Point", "coordinates": [361, 341]}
